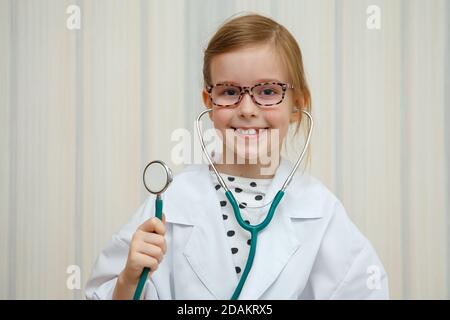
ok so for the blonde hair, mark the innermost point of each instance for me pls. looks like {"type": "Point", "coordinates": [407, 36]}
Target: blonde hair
{"type": "Point", "coordinates": [254, 29]}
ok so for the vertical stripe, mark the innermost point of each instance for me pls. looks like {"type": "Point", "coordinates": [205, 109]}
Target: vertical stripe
{"type": "Point", "coordinates": [447, 136]}
{"type": "Point", "coordinates": [195, 44]}
{"type": "Point", "coordinates": [79, 153]}
{"type": "Point", "coordinates": [191, 44]}
{"type": "Point", "coordinates": [404, 152]}
{"type": "Point", "coordinates": [338, 97]}
{"type": "Point", "coordinates": [144, 82]}
{"type": "Point", "coordinates": [12, 292]}
{"type": "Point", "coordinates": [189, 34]}
{"type": "Point", "coordinates": [273, 9]}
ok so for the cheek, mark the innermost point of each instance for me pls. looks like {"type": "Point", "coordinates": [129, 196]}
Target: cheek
{"type": "Point", "coordinates": [278, 120]}
{"type": "Point", "coordinates": [221, 118]}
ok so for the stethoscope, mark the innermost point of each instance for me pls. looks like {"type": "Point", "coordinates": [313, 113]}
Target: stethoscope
{"type": "Point", "coordinates": [253, 229]}
{"type": "Point", "coordinates": [157, 177]}
{"type": "Point", "coordinates": [161, 177]}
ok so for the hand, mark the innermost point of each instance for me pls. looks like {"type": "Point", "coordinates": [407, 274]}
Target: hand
{"type": "Point", "coordinates": [147, 249]}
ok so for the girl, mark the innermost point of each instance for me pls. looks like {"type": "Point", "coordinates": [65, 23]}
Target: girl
{"type": "Point", "coordinates": [255, 85]}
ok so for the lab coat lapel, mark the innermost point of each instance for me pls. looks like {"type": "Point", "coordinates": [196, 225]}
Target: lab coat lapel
{"type": "Point", "coordinates": [275, 245]}
{"type": "Point", "coordinates": [207, 249]}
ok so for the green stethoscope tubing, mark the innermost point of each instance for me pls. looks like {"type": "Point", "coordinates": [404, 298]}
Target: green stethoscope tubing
{"type": "Point", "coordinates": [254, 230]}
{"type": "Point", "coordinates": [144, 274]}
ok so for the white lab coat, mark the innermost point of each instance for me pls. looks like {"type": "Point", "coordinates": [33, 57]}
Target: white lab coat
{"type": "Point", "coordinates": [310, 250]}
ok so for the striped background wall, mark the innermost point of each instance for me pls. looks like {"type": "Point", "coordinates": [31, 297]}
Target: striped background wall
{"type": "Point", "coordinates": [83, 111]}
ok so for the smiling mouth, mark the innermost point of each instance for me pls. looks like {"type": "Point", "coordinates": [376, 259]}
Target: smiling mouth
{"type": "Point", "coordinates": [249, 132]}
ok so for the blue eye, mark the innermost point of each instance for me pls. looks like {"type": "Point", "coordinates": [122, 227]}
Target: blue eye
{"type": "Point", "coordinates": [229, 92]}
{"type": "Point", "coordinates": [268, 92]}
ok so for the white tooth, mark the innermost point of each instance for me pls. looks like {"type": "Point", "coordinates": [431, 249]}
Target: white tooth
{"type": "Point", "coordinates": [249, 131]}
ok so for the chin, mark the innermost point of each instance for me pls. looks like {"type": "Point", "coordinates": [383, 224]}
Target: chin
{"type": "Point", "coordinates": [251, 156]}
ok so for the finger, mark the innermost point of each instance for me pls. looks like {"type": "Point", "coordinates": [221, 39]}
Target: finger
{"type": "Point", "coordinates": [160, 228]}
{"type": "Point", "coordinates": [154, 238]}
{"type": "Point", "coordinates": [148, 225]}
{"type": "Point", "coordinates": [164, 218]}
{"type": "Point", "coordinates": [152, 251]}
{"type": "Point", "coordinates": [153, 225]}
{"type": "Point", "coordinates": [147, 261]}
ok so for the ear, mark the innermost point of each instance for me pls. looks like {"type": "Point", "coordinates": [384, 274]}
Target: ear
{"type": "Point", "coordinates": [296, 112]}
{"type": "Point", "coordinates": [206, 101]}
{"type": "Point", "coordinates": [295, 115]}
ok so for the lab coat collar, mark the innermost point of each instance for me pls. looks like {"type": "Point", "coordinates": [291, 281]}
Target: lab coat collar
{"type": "Point", "coordinates": [298, 194]}
{"type": "Point", "coordinates": [212, 260]}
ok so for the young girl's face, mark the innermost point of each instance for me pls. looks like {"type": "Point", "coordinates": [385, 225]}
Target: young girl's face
{"type": "Point", "coordinates": [247, 67]}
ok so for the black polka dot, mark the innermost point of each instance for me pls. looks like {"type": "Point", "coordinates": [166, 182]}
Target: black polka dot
{"type": "Point", "coordinates": [234, 250]}
{"type": "Point", "coordinates": [246, 221]}
{"type": "Point", "coordinates": [217, 187]}
{"type": "Point", "coordinates": [230, 178]}
{"type": "Point", "coordinates": [258, 197]}
{"type": "Point", "coordinates": [225, 217]}
{"type": "Point", "coordinates": [242, 205]}
{"type": "Point", "coordinates": [223, 203]}
{"type": "Point", "coordinates": [252, 184]}
{"type": "Point", "coordinates": [230, 233]}
{"type": "Point", "coordinates": [249, 241]}
{"type": "Point", "coordinates": [238, 270]}
{"type": "Point", "coordinates": [238, 190]}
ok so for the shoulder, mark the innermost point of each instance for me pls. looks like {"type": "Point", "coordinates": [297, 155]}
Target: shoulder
{"type": "Point", "coordinates": [341, 251]}
{"type": "Point", "coordinates": [189, 192]}
{"type": "Point", "coordinates": [190, 181]}
{"type": "Point", "coordinates": [309, 198]}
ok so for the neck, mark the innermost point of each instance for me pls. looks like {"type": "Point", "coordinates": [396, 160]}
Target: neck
{"type": "Point", "coordinates": [243, 170]}
{"type": "Point", "coordinates": [246, 168]}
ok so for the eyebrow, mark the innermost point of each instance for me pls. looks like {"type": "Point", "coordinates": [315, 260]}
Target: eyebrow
{"type": "Point", "coordinates": [257, 81]}
{"type": "Point", "coordinates": [268, 80]}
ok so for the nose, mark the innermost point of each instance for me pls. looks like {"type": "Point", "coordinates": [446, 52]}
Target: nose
{"type": "Point", "coordinates": [247, 107]}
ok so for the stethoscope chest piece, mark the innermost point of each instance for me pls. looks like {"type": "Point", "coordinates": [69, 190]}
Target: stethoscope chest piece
{"type": "Point", "coordinates": [157, 177]}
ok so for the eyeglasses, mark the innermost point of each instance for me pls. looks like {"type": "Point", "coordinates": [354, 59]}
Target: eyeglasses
{"type": "Point", "coordinates": [263, 94]}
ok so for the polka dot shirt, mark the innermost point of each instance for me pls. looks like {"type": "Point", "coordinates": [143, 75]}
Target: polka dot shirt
{"type": "Point", "coordinates": [248, 192]}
